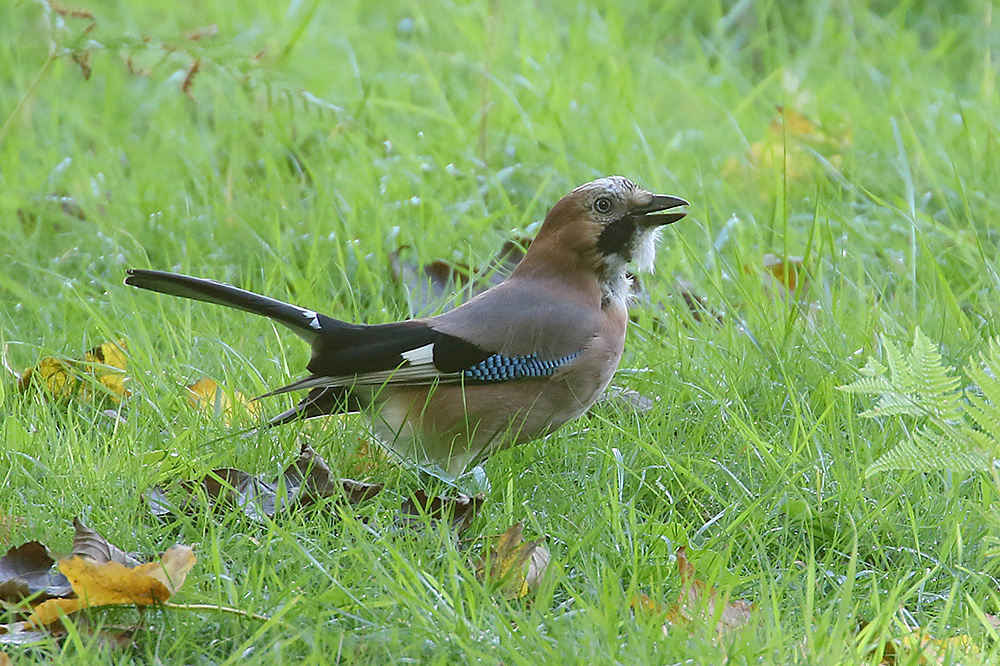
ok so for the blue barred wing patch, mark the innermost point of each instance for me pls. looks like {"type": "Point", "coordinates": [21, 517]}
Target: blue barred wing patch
{"type": "Point", "coordinates": [499, 368]}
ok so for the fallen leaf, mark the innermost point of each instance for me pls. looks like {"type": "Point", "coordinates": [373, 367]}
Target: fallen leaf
{"type": "Point", "coordinates": [172, 569]}
{"type": "Point", "coordinates": [202, 33]}
{"type": "Point", "coordinates": [641, 603]}
{"type": "Point", "coordinates": [208, 397]}
{"type": "Point", "coordinates": [697, 305]}
{"type": "Point", "coordinates": [95, 574]}
{"type": "Point", "coordinates": [113, 584]}
{"type": "Point", "coordinates": [919, 647]}
{"type": "Point", "coordinates": [700, 603]}
{"type": "Point", "coordinates": [88, 543]}
{"type": "Point", "coordinates": [459, 511]}
{"type": "Point", "coordinates": [306, 481]}
{"type": "Point", "coordinates": [790, 146]}
{"type": "Point", "coordinates": [784, 271]}
{"type": "Point", "coordinates": [309, 479]}
{"type": "Point", "coordinates": [103, 365]}
{"type": "Point", "coordinates": [238, 488]}
{"type": "Point", "coordinates": [5, 659]}
{"type": "Point", "coordinates": [517, 567]}
{"type": "Point", "coordinates": [429, 287]}
{"type": "Point", "coordinates": [26, 571]}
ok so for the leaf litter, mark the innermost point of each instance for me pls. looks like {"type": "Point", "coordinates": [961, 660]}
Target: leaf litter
{"type": "Point", "coordinates": [698, 604]}
{"type": "Point", "coordinates": [305, 482]}
{"type": "Point", "coordinates": [514, 566]}
{"type": "Point", "coordinates": [95, 573]}
{"type": "Point", "coordinates": [100, 373]}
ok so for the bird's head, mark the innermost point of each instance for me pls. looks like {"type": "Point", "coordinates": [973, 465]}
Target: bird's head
{"type": "Point", "coordinates": [602, 227]}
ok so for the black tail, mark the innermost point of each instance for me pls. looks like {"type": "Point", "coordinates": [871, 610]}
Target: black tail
{"type": "Point", "coordinates": [306, 323]}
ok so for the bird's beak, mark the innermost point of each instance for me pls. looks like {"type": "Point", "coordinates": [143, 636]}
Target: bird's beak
{"type": "Point", "coordinates": [660, 202]}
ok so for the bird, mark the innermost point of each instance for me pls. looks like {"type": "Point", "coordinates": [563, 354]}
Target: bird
{"type": "Point", "coordinates": [510, 365]}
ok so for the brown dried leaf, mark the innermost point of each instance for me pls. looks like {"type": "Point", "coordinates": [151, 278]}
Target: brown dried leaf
{"type": "Point", "coordinates": [26, 571]}
{"type": "Point", "coordinates": [306, 481]}
{"type": "Point", "coordinates": [458, 511]}
{"type": "Point", "coordinates": [698, 305]}
{"type": "Point", "coordinates": [88, 543]}
{"type": "Point", "coordinates": [699, 603]}
{"type": "Point", "coordinates": [309, 479]}
{"type": "Point", "coordinates": [784, 271]}
{"type": "Point", "coordinates": [189, 78]}
{"type": "Point", "coordinates": [430, 286]}
{"type": "Point", "coordinates": [5, 659]}
{"type": "Point", "coordinates": [517, 567]}
{"type": "Point", "coordinates": [238, 488]}
{"type": "Point", "coordinates": [202, 33]}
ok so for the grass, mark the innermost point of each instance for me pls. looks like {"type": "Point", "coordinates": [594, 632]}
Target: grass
{"type": "Point", "coordinates": [316, 138]}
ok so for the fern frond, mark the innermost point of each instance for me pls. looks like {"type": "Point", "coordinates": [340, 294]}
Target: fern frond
{"type": "Point", "coordinates": [987, 417]}
{"type": "Point", "coordinates": [931, 451]}
{"type": "Point", "coordinates": [984, 373]}
{"type": "Point", "coordinates": [919, 384]}
{"type": "Point", "coordinates": [962, 429]}
{"type": "Point", "coordinates": [933, 380]}
{"type": "Point", "coordinates": [899, 370]}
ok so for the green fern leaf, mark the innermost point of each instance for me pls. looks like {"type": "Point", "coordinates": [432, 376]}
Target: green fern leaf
{"type": "Point", "coordinates": [987, 417]}
{"type": "Point", "coordinates": [933, 381]}
{"type": "Point", "coordinates": [931, 451]}
{"type": "Point", "coordinates": [962, 429]}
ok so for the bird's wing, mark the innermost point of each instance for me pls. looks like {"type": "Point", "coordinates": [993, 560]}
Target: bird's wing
{"type": "Point", "coordinates": [512, 331]}
{"type": "Point", "coordinates": [502, 335]}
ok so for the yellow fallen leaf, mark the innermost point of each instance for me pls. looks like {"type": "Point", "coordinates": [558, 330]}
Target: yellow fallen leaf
{"type": "Point", "coordinates": [518, 567]}
{"type": "Point", "coordinates": [112, 583]}
{"type": "Point", "coordinates": [641, 603]}
{"type": "Point", "coordinates": [788, 146]}
{"type": "Point", "coordinates": [172, 569]}
{"type": "Point", "coordinates": [932, 651]}
{"type": "Point", "coordinates": [65, 378]}
{"type": "Point", "coordinates": [792, 122]}
{"type": "Point", "coordinates": [207, 396]}
{"type": "Point", "coordinates": [108, 362]}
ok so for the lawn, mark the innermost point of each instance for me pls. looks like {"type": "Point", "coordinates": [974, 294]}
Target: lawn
{"type": "Point", "coordinates": [292, 148]}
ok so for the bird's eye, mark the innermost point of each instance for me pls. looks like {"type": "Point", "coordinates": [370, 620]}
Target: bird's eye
{"type": "Point", "coordinates": [603, 205]}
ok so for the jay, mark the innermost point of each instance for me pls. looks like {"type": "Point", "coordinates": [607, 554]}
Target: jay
{"type": "Point", "coordinates": [510, 365]}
